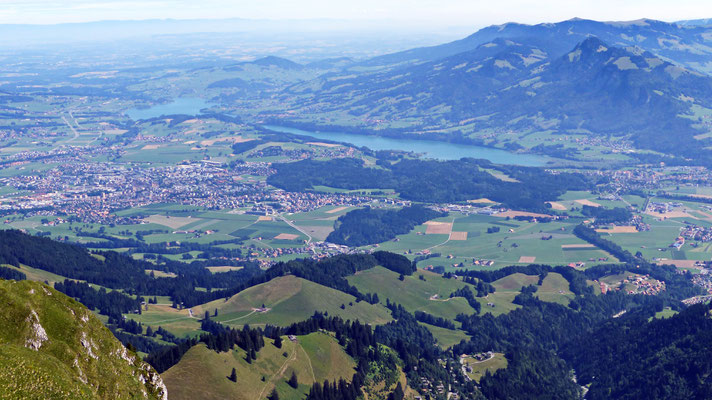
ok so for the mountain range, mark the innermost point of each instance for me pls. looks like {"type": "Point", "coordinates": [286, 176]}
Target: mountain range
{"type": "Point", "coordinates": [688, 44]}
{"type": "Point", "coordinates": [634, 81]}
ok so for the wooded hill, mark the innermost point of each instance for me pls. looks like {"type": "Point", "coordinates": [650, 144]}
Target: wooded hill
{"type": "Point", "coordinates": [432, 181]}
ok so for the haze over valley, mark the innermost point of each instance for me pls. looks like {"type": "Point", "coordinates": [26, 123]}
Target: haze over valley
{"type": "Point", "coordinates": [347, 203]}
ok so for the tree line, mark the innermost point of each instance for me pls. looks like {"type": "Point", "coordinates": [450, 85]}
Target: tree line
{"type": "Point", "coordinates": [369, 226]}
{"type": "Point", "coordinates": [9, 273]}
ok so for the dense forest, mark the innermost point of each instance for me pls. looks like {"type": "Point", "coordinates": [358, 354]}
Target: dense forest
{"type": "Point", "coordinates": [9, 273]}
{"type": "Point", "coordinates": [119, 271]}
{"type": "Point", "coordinates": [531, 373]}
{"type": "Point", "coordinates": [112, 303]}
{"type": "Point", "coordinates": [630, 357]}
{"type": "Point", "coordinates": [369, 226]}
{"type": "Point", "coordinates": [433, 181]}
{"type": "Point", "coordinates": [548, 342]}
{"type": "Point", "coordinates": [607, 215]}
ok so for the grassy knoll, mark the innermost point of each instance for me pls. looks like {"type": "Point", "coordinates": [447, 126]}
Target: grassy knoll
{"type": "Point", "coordinates": [328, 360]}
{"type": "Point", "coordinates": [160, 274]}
{"type": "Point", "coordinates": [613, 280]}
{"type": "Point", "coordinates": [413, 293]}
{"type": "Point", "coordinates": [514, 282]}
{"type": "Point", "coordinates": [666, 313]}
{"type": "Point", "coordinates": [555, 289]}
{"type": "Point", "coordinates": [446, 337]}
{"type": "Point", "coordinates": [178, 322]}
{"type": "Point", "coordinates": [595, 285]}
{"type": "Point", "coordinates": [202, 373]}
{"type": "Point", "coordinates": [478, 368]}
{"type": "Point", "coordinates": [499, 302]}
{"type": "Point", "coordinates": [291, 299]}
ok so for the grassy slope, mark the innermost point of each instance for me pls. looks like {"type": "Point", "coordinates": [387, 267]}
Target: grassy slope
{"type": "Point", "coordinates": [290, 300]}
{"type": "Point", "coordinates": [178, 322]}
{"type": "Point", "coordinates": [78, 348]}
{"type": "Point", "coordinates": [554, 288]}
{"type": "Point", "coordinates": [38, 275]}
{"type": "Point", "coordinates": [491, 365]}
{"type": "Point", "coordinates": [413, 293]}
{"type": "Point", "coordinates": [446, 337]}
{"type": "Point", "coordinates": [202, 373]}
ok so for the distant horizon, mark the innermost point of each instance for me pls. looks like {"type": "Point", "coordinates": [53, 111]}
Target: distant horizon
{"type": "Point", "coordinates": [441, 13]}
{"type": "Point", "coordinates": [341, 20]}
{"type": "Point", "coordinates": [402, 35]}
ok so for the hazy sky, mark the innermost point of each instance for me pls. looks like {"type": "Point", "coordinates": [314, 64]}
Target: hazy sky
{"type": "Point", "coordinates": [436, 12]}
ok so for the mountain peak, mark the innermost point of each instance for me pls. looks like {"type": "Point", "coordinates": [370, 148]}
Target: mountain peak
{"type": "Point", "coordinates": [592, 43]}
{"type": "Point", "coordinates": [588, 49]}
{"type": "Point", "coordinates": [595, 53]}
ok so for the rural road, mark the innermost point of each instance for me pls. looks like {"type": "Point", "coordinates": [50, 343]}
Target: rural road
{"type": "Point", "coordinates": [76, 134]}
{"type": "Point", "coordinates": [448, 238]}
{"type": "Point", "coordinates": [296, 227]}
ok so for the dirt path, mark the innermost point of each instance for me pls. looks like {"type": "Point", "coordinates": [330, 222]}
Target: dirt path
{"type": "Point", "coordinates": [170, 320]}
{"type": "Point", "coordinates": [433, 298]}
{"type": "Point", "coordinates": [524, 228]}
{"type": "Point", "coordinates": [281, 372]}
{"type": "Point", "coordinates": [235, 319]}
{"type": "Point", "coordinates": [311, 368]}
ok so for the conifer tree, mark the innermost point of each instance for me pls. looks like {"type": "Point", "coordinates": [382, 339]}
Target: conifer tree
{"type": "Point", "coordinates": [233, 375]}
{"type": "Point", "coordinates": [293, 382]}
{"type": "Point", "coordinates": [397, 393]}
{"type": "Point", "coordinates": [274, 395]}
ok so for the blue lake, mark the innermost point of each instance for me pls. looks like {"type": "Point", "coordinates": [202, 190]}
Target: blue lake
{"type": "Point", "coordinates": [184, 105]}
{"type": "Point", "coordinates": [430, 148]}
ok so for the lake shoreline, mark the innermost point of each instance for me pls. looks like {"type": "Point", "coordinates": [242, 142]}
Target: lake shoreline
{"type": "Point", "coordinates": [437, 149]}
